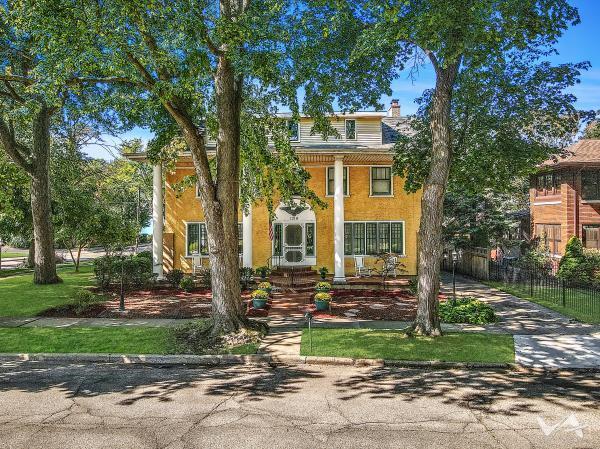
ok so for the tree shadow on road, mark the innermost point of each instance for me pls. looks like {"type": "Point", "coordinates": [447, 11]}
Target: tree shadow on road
{"type": "Point", "coordinates": [135, 383]}
{"type": "Point", "coordinates": [494, 391]}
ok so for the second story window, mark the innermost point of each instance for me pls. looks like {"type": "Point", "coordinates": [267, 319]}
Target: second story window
{"type": "Point", "coordinates": [330, 183]}
{"type": "Point", "coordinates": [381, 181]}
{"type": "Point", "coordinates": [294, 130]}
{"type": "Point", "coordinates": [548, 184]}
{"type": "Point", "coordinates": [590, 185]}
{"type": "Point", "coordinates": [350, 129]}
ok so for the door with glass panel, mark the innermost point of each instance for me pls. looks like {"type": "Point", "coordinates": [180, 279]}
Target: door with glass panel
{"type": "Point", "coordinates": [294, 243]}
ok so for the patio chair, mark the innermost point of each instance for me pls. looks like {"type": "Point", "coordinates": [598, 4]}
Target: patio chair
{"type": "Point", "coordinates": [196, 265]}
{"type": "Point", "coordinates": [360, 268]}
{"type": "Point", "coordinates": [392, 266]}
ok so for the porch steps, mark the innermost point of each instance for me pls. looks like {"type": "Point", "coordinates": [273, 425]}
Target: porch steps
{"type": "Point", "coordinates": [299, 279]}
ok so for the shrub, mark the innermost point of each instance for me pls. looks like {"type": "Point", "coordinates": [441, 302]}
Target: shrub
{"type": "Point", "coordinates": [83, 299]}
{"type": "Point", "coordinates": [466, 310]}
{"type": "Point", "coordinates": [323, 287]}
{"type": "Point", "coordinates": [322, 296]}
{"type": "Point", "coordinates": [323, 272]}
{"type": "Point", "coordinates": [260, 294]}
{"type": "Point", "coordinates": [174, 277]}
{"type": "Point", "coordinates": [263, 271]}
{"type": "Point", "coordinates": [579, 264]}
{"type": "Point", "coordinates": [187, 283]}
{"type": "Point", "coordinates": [135, 270]}
{"type": "Point", "coordinates": [413, 285]}
{"type": "Point", "coordinates": [246, 274]}
{"type": "Point", "coordinates": [536, 259]}
{"type": "Point", "coordinates": [266, 286]}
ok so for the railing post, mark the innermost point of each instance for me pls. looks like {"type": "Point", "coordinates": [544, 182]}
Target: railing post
{"type": "Point", "coordinates": [563, 293]}
{"type": "Point", "coordinates": [531, 283]}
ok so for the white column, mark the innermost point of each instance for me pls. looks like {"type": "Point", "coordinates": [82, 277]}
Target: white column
{"type": "Point", "coordinates": [339, 276]}
{"type": "Point", "coordinates": [247, 238]}
{"type": "Point", "coordinates": [157, 220]}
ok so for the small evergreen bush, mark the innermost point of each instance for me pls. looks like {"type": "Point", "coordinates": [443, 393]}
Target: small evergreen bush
{"type": "Point", "coordinates": [83, 299]}
{"type": "Point", "coordinates": [466, 310]}
{"type": "Point", "coordinates": [174, 277]}
{"type": "Point", "coordinates": [187, 283]}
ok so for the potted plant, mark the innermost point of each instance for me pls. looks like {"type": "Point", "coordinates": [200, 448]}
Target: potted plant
{"type": "Point", "coordinates": [323, 272]}
{"type": "Point", "coordinates": [266, 286]}
{"type": "Point", "coordinates": [259, 299]}
{"type": "Point", "coordinates": [323, 287]}
{"type": "Point", "coordinates": [263, 272]}
{"type": "Point", "coordinates": [322, 301]}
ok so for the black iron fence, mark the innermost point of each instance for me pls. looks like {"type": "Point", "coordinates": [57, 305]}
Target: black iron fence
{"type": "Point", "coordinates": [543, 286]}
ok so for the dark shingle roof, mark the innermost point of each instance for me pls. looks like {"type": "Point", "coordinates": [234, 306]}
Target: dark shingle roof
{"type": "Point", "coordinates": [392, 127]}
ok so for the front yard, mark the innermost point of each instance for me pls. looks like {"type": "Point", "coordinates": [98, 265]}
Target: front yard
{"type": "Point", "coordinates": [20, 297]}
{"type": "Point", "coordinates": [123, 340]}
{"type": "Point", "coordinates": [396, 345]}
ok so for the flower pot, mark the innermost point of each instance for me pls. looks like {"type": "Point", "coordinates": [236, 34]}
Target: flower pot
{"type": "Point", "coordinates": [322, 305]}
{"type": "Point", "coordinates": [259, 303]}
{"type": "Point", "coordinates": [322, 290]}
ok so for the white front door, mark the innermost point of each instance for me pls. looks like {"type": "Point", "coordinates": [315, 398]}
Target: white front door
{"type": "Point", "coordinates": [293, 243]}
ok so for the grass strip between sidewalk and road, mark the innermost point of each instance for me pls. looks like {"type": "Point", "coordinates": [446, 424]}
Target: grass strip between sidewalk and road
{"type": "Point", "coordinates": [20, 297]}
{"type": "Point", "coordinates": [139, 340]}
{"type": "Point", "coordinates": [541, 297]}
{"type": "Point", "coordinates": [397, 345]}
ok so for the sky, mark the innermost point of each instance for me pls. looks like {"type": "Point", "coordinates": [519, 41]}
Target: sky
{"type": "Point", "coordinates": [579, 43]}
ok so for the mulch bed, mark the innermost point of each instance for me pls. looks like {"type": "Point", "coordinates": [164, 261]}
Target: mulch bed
{"type": "Point", "coordinates": [391, 305]}
{"type": "Point", "coordinates": [150, 303]}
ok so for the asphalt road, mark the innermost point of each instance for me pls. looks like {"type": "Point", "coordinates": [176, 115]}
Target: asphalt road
{"type": "Point", "coordinates": [111, 406]}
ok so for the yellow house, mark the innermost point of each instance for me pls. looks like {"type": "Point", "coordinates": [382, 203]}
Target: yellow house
{"type": "Point", "coordinates": [368, 210]}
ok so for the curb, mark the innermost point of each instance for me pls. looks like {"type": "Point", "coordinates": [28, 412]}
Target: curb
{"type": "Point", "coordinates": [229, 359]}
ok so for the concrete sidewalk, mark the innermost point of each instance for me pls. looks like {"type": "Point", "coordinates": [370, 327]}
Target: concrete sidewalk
{"type": "Point", "coordinates": [543, 338]}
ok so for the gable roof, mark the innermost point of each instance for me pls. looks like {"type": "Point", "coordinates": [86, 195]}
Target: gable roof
{"type": "Point", "coordinates": [585, 151]}
{"type": "Point", "coordinates": [392, 127]}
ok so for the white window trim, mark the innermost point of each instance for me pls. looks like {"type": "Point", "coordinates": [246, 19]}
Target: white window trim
{"type": "Point", "coordinates": [403, 255]}
{"type": "Point", "coordinates": [390, 195]}
{"type": "Point", "coordinates": [347, 170]}
{"type": "Point", "coordinates": [298, 122]}
{"type": "Point", "coordinates": [188, 255]}
{"type": "Point", "coordinates": [355, 129]}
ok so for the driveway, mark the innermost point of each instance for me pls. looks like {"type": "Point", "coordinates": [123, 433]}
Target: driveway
{"type": "Point", "coordinates": [94, 406]}
{"type": "Point", "coordinates": [543, 338]}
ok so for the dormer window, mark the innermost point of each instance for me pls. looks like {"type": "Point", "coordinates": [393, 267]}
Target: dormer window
{"type": "Point", "coordinates": [350, 129]}
{"type": "Point", "coordinates": [294, 130]}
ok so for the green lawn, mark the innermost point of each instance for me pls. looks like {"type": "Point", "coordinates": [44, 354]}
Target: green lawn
{"type": "Point", "coordinates": [550, 298]}
{"type": "Point", "coordinates": [13, 254]}
{"type": "Point", "coordinates": [131, 340]}
{"type": "Point", "coordinates": [396, 345]}
{"type": "Point", "coordinates": [20, 297]}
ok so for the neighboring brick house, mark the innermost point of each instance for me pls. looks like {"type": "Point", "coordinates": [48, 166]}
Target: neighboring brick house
{"type": "Point", "coordinates": [565, 197]}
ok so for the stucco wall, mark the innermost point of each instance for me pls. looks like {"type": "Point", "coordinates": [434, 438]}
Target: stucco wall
{"type": "Point", "coordinates": [358, 206]}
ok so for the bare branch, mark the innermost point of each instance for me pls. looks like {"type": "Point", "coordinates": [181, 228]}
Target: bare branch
{"type": "Point", "coordinates": [17, 79]}
{"type": "Point", "coordinates": [14, 148]}
{"type": "Point", "coordinates": [13, 93]}
{"type": "Point", "coordinates": [150, 80]}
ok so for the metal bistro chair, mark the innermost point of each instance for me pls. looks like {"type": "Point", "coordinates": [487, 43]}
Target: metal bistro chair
{"type": "Point", "coordinates": [392, 266]}
{"type": "Point", "coordinates": [360, 268]}
{"type": "Point", "coordinates": [196, 265]}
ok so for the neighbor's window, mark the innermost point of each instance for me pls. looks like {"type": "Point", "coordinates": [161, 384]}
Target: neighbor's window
{"type": "Point", "coordinates": [591, 236]}
{"type": "Point", "coordinates": [590, 185]}
{"type": "Point", "coordinates": [372, 237]}
{"type": "Point", "coordinates": [197, 240]}
{"type": "Point", "coordinates": [331, 184]}
{"type": "Point", "coordinates": [381, 181]}
{"type": "Point", "coordinates": [548, 184]}
{"type": "Point", "coordinates": [294, 130]}
{"type": "Point", "coordinates": [350, 129]}
{"type": "Point", "coordinates": [549, 235]}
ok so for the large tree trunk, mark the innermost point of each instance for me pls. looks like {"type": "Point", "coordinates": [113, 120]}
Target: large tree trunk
{"type": "Point", "coordinates": [427, 321]}
{"type": "Point", "coordinates": [43, 234]}
{"type": "Point", "coordinates": [31, 255]}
